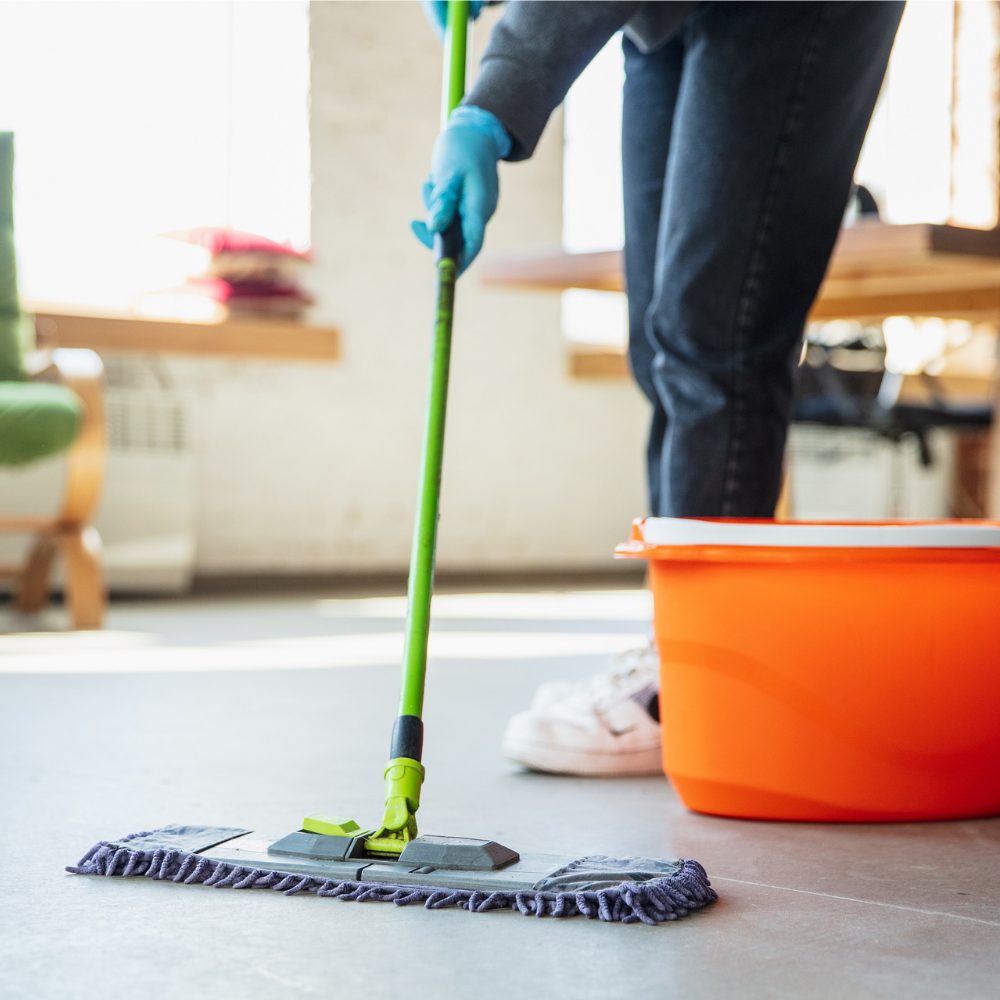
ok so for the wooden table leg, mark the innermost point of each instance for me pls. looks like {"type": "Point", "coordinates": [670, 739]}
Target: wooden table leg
{"type": "Point", "coordinates": [993, 446]}
{"type": "Point", "coordinates": [784, 510]}
{"type": "Point", "coordinates": [81, 550]}
{"type": "Point", "coordinates": [33, 586]}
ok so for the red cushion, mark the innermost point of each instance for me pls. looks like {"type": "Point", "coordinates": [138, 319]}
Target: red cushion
{"type": "Point", "coordinates": [230, 292]}
{"type": "Point", "coordinates": [221, 241]}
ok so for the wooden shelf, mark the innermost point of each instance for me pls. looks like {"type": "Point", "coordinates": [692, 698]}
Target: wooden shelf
{"type": "Point", "coordinates": [61, 326]}
{"type": "Point", "coordinates": [877, 270]}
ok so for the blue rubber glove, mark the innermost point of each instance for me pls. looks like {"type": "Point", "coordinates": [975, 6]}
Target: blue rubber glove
{"type": "Point", "coordinates": [463, 179]}
{"type": "Point", "coordinates": [436, 12]}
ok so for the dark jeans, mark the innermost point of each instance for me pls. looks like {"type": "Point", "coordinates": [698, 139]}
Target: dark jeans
{"type": "Point", "coordinates": [740, 137]}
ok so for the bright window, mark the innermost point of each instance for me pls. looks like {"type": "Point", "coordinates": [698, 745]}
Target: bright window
{"type": "Point", "coordinates": [592, 191]}
{"type": "Point", "coordinates": [135, 119]}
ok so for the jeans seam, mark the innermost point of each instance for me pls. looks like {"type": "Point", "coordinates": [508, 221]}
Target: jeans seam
{"type": "Point", "coordinates": [749, 296]}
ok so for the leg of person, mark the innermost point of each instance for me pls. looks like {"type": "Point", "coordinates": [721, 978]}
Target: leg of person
{"type": "Point", "coordinates": [652, 83]}
{"type": "Point", "coordinates": [610, 725]}
{"type": "Point", "coordinates": [772, 111]}
{"type": "Point", "coordinates": [576, 735]}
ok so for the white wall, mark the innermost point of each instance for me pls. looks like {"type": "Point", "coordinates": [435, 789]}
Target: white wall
{"type": "Point", "coordinates": [313, 468]}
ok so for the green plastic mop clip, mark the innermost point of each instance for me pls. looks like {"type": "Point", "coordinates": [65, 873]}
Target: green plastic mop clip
{"type": "Point", "coordinates": [331, 826]}
{"type": "Point", "coordinates": [403, 778]}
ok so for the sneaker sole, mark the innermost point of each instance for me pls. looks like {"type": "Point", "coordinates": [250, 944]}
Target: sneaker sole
{"type": "Point", "coordinates": [580, 763]}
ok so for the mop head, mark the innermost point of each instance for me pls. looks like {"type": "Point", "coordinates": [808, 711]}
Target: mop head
{"type": "Point", "coordinates": [626, 890]}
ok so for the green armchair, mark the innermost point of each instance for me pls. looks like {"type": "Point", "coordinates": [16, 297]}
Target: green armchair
{"type": "Point", "coordinates": [51, 403]}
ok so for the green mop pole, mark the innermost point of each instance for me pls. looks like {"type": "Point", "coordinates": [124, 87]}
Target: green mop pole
{"type": "Point", "coordinates": [404, 773]}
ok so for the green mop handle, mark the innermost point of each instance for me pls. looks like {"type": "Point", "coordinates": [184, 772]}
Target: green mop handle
{"type": "Point", "coordinates": [406, 748]}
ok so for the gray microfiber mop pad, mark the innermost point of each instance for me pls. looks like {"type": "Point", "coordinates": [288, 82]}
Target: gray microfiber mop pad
{"type": "Point", "coordinates": [628, 890]}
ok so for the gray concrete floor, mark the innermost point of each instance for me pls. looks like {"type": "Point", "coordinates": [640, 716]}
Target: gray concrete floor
{"type": "Point", "coordinates": [251, 711]}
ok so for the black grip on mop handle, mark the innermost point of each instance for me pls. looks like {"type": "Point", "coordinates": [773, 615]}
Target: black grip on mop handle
{"type": "Point", "coordinates": [407, 738]}
{"type": "Point", "coordinates": [449, 243]}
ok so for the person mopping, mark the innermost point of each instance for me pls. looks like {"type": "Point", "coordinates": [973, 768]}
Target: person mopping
{"type": "Point", "coordinates": [334, 856]}
{"type": "Point", "coordinates": [742, 124]}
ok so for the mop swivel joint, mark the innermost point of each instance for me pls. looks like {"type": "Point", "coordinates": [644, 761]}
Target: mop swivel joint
{"type": "Point", "coordinates": [403, 778]}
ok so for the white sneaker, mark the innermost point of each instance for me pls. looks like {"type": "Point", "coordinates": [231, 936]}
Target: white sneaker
{"type": "Point", "coordinates": [642, 661]}
{"type": "Point", "coordinates": [607, 726]}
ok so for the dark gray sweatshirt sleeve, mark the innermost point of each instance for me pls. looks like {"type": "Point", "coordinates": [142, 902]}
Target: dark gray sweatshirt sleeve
{"type": "Point", "coordinates": [537, 49]}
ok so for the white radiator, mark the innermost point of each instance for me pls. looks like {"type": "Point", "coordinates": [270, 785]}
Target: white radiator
{"type": "Point", "coordinates": [855, 474]}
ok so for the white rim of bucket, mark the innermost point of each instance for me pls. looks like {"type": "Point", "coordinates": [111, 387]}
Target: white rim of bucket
{"type": "Point", "coordinates": [689, 531]}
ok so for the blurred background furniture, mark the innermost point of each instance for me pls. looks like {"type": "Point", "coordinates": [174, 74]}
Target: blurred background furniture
{"type": "Point", "coordinates": [878, 270]}
{"type": "Point", "coordinates": [51, 403]}
{"type": "Point", "coordinates": [845, 382]}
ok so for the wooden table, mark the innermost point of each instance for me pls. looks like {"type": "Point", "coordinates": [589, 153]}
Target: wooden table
{"type": "Point", "coordinates": [63, 326]}
{"type": "Point", "coordinates": [877, 270]}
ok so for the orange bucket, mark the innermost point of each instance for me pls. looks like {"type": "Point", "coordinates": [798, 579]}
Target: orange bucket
{"type": "Point", "coordinates": [828, 671]}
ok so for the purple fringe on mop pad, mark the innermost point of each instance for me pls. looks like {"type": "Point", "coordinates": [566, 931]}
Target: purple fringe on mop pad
{"type": "Point", "coordinates": [686, 888]}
